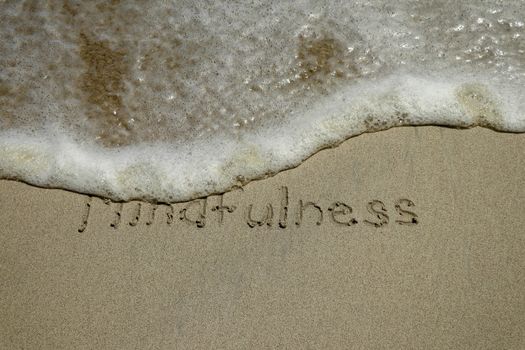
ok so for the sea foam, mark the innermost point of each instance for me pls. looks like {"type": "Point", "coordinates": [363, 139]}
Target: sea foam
{"type": "Point", "coordinates": [169, 101]}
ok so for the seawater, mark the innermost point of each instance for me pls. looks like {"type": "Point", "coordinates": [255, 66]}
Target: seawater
{"type": "Point", "coordinates": [172, 100]}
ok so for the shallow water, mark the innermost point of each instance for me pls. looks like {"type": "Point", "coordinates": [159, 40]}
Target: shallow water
{"type": "Point", "coordinates": [167, 101]}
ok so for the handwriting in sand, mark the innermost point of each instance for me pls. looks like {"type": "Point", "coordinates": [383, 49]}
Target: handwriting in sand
{"type": "Point", "coordinates": [205, 212]}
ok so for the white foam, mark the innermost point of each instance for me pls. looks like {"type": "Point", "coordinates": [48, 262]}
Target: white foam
{"type": "Point", "coordinates": [254, 89]}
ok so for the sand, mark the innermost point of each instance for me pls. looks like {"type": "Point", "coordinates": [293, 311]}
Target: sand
{"type": "Point", "coordinates": [432, 255]}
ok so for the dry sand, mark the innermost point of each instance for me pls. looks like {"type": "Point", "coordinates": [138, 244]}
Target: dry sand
{"type": "Point", "coordinates": [451, 278]}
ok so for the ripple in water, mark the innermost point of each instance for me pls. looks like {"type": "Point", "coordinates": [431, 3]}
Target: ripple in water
{"type": "Point", "coordinates": [168, 101]}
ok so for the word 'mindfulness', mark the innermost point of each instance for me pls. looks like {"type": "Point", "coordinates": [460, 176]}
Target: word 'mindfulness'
{"type": "Point", "coordinates": [201, 213]}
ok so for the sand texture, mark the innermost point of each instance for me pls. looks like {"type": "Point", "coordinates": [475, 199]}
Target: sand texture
{"type": "Point", "coordinates": [421, 245]}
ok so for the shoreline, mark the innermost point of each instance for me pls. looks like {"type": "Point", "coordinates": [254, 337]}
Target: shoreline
{"type": "Point", "coordinates": [455, 279]}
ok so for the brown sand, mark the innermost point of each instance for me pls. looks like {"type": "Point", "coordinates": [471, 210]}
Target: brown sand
{"type": "Point", "coordinates": [453, 277]}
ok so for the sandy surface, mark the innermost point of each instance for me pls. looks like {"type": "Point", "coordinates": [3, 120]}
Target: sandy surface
{"type": "Point", "coordinates": [445, 272]}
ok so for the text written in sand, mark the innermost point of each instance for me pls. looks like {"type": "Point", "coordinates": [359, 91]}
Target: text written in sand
{"type": "Point", "coordinates": [282, 214]}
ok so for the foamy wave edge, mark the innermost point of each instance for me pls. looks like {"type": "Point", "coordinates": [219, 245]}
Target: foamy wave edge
{"type": "Point", "coordinates": [170, 173]}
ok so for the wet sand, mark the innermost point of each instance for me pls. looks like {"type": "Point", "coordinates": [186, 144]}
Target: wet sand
{"type": "Point", "coordinates": [408, 238]}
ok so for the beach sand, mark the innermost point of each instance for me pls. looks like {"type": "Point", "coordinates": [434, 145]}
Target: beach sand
{"type": "Point", "coordinates": [432, 255]}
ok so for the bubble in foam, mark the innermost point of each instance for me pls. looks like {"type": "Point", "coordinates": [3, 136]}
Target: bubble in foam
{"type": "Point", "coordinates": [168, 101]}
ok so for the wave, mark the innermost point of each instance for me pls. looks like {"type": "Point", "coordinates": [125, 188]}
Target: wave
{"type": "Point", "coordinates": [170, 102]}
